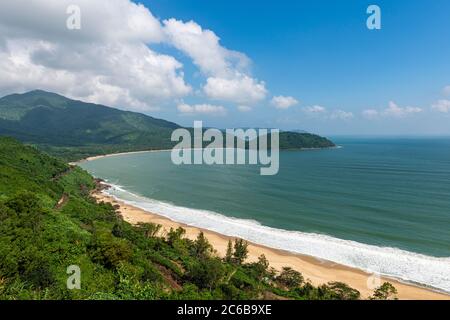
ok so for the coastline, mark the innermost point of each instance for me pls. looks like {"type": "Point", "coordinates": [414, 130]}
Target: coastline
{"type": "Point", "coordinates": [316, 270]}
{"type": "Point", "coordinates": [114, 154]}
{"type": "Point", "coordinates": [92, 158]}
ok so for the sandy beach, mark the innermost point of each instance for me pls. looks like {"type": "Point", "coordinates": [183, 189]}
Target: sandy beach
{"type": "Point", "coordinates": [317, 271]}
{"type": "Point", "coordinates": [115, 154]}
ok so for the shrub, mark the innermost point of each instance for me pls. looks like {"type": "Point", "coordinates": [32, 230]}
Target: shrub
{"type": "Point", "coordinates": [206, 273]}
{"type": "Point", "coordinates": [385, 292]}
{"type": "Point", "coordinates": [289, 278]}
{"type": "Point", "coordinates": [340, 291]}
{"type": "Point", "coordinates": [109, 250]}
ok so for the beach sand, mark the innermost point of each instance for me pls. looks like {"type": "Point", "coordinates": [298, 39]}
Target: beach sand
{"type": "Point", "coordinates": [317, 271]}
{"type": "Point", "coordinates": [114, 154]}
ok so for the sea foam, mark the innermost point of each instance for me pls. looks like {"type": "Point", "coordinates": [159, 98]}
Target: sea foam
{"type": "Point", "coordinates": [393, 262]}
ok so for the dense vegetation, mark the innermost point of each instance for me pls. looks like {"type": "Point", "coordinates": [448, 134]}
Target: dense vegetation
{"type": "Point", "coordinates": [48, 222]}
{"type": "Point", "coordinates": [73, 130]}
{"type": "Point", "coordinates": [295, 140]}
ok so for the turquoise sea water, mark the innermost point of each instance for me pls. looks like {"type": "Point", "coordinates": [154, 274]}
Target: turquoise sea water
{"type": "Point", "coordinates": [379, 204]}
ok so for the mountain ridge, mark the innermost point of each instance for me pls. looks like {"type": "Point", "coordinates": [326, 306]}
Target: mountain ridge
{"type": "Point", "coordinates": [73, 129]}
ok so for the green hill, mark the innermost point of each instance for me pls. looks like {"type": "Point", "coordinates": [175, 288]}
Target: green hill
{"type": "Point", "coordinates": [48, 222]}
{"type": "Point", "coordinates": [74, 129]}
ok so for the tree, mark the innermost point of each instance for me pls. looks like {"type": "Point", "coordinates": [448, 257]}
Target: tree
{"type": "Point", "coordinates": [229, 253]}
{"type": "Point", "coordinates": [202, 247]}
{"type": "Point", "coordinates": [308, 291]}
{"type": "Point", "coordinates": [272, 274]}
{"type": "Point", "coordinates": [109, 250]}
{"type": "Point", "coordinates": [290, 278]}
{"type": "Point", "coordinates": [261, 267]}
{"type": "Point", "coordinates": [341, 291]}
{"type": "Point", "coordinates": [28, 208]}
{"type": "Point", "coordinates": [117, 230]}
{"type": "Point", "coordinates": [385, 292]}
{"type": "Point", "coordinates": [150, 230]}
{"type": "Point", "coordinates": [25, 203]}
{"type": "Point", "coordinates": [175, 235]}
{"type": "Point", "coordinates": [206, 273]}
{"type": "Point", "coordinates": [240, 251]}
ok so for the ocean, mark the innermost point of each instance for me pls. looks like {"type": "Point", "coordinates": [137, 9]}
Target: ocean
{"type": "Point", "coordinates": [378, 204]}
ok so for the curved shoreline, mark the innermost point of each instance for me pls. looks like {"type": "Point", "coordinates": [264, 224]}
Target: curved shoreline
{"type": "Point", "coordinates": [92, 158]}
{"type": "Point", "coordinates": [318, 270]}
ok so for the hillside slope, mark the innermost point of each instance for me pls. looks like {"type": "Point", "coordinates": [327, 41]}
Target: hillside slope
{"type": "Point", "coordinates": [61, 125]}
{"type": "Point", "coordinates": [74, 129]}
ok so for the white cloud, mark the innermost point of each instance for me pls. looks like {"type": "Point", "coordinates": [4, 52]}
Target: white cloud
{"type": "Point", "coordinates": [227, 73]}
{"type": "Point", "coordinates": [370, 113]}
{"type": "Point", "coordinates": [283, 102]}
{"type": "Point", "coordinates": [241, 89]}
{"type": "Point", "coordinates": [314, 110]}
{"type": "Point", "coordinates": [341, 115]}
{"type": "Point", "coordinates": [101, 21]}
{"type": "Point", "coordinates": [110, 60]}
{"type": "Point", "coordinates": [446, 90]}
{"type": "Point", "coordinates": [317, 111]}
{"type": "Point", "coordinates": [244, 108]}
{"type": "Point", "coordinates": [204, 48]}
{"type": "Point", "coordinates": [106, 61]}
{"type": "Point", "coordinates": [202, 109]}
{"type": "Point", "coordinates": [442, 106]}
{"type": "Point", "coordinates": [392, 111]}
{"type": "Point", "coordinates": [395, 111]}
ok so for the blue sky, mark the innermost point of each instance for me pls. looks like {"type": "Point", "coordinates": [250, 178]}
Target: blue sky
{"type": "Point", "coordinates": [322, 53]}
{"type": "Point", "coordinates": [305, 65]}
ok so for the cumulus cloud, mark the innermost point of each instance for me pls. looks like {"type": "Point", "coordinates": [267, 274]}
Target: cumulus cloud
{"type": "Point", "coordinates": [244, 108]}
{"type": "Point", "coordinates": [283, 102]}
{"type": "Point", "coordinates": [370, 113]}
{"type": "Point", "coordinates": [446, 90]}
{"type": "Point", "coordinates": [102, 21]}
{"type": "Point", "coordinates": [320, 112]}
{"type": "Point", "coordinates": [202, 109]}
{"type": "Point", "coordinates": [107, 61]}
{"type": "Point", "coordinates": [341, 115]}
{"type": "Point", "coordinates": [110, 60]}
{"type": "Point", "coordinates": [314, 110]}
{"type": "Point", "coordinates": [204, 48]}
{"type": "Point", "coordinates": [395, 111]}
{"type": "Point", "coordinates": [392, 111]}
{"type": "Point", "coordinates": [442, 106]}
{"type": "Point", "coordinates": [241, 89]}
{"type": "Point", "coordinates": [227, 73]}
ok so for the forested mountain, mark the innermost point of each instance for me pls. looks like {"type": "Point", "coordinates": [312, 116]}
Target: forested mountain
{"type": "Point", "coordinates": [74, 129]}
{"type": "Point", "coordinates": [64, 126]}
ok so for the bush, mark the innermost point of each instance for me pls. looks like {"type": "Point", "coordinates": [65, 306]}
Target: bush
{"type": "Point", "coordinates": [109, 250]}
{"type": "Point", "coordinates": [175, 235]}
{"type": "Point", "coordinates": [385, 292]}
{"type": "Point", "coordinates": [289, 278]}
{"type": "Point", "coordinates": [207, 273]}
{"type": "Point", "coordinates": [150, 230]}
{"type": "Point", "coordinates": [340, 291]}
